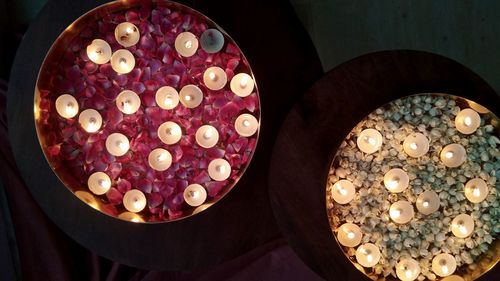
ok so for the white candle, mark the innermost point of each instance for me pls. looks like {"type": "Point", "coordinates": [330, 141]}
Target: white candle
{"type": "Point", "coordinates": [396, 180]}
{"type": "Point", "coordinates": [246, 125]}
{"type": "Point", "coordinates": [215, 78]}
{"type": "Point", "coordinates": [477, 107]}
{"type": "Point", "coordinates": [122, 61]}
{"type": "Point", "coordinates": [128, 216]}
{"type": "Point", "coordinates": [127, 34]}
{"type": "Point", "coordinates": [416, 145]}
{"type": "Point", "coordinates": [343, 191]}
{"type": "Point", "coordinates": [462, 226]}
{"type": "Point", "coordinates": [90, 120]}
{"type": "Point", "coordinates": [117, 144]}
{"type": "Point", "coordinates": [134, 200]}
{"type": "Point", "coordinates": [207, 136]}
{"type": "Point", "coordinates": [88, 198]}
{"type": "Point", "coordinates": [191, 96]}
{"type": "Point", "coordinates": [407, 269]}
{"type": "Point", "coordinates": [453, 155]}
{"type": "Point", "coordinates": [195, 195]}
{"type": "Point", "coordinates": [242, 84]}
{"type": "Point", "coordinates": [99, 183]}
{"type": "Point", "coordinates": [428, 202]}
{"type": "Point", "coordinates": [128, 102]}
{"type": "Point", "coordinates": [349, 235]}
{"type": "Point", "coordinates": [369, 141]}
{"type": "Point", "coordinates": [186, 44]}
{"type": "Point", "coordinates": [159, 159]}
{"type": "Point", "coordinates": [476, 190]}
{"type": "Point", "coordinates": [467, 121]}
{"type": "Point", "coordinates": [444, 265]}
{"type": "Point", "coordinates": [66, 106]}
{"type": "Point", "coordinates": [169, 132]}
{"type": "Point", "coordinates": [167, 97]}
{"type": "Point", "coordinates": [401, 212]}
{"type": "Point", "coordinates": [99, 51]}
{"type": "Point", "coordinates": [367, 255]}
{"type": "Point", "coordinates": [219, 169]}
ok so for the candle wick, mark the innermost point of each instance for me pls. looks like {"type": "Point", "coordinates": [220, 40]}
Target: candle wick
{"type": "Point", "coordinates": [168, 100]}
{"type": "Point", "coordinates": [98, 51]}
{"type": "Point", "coordinates": [161, 157]}
{"type": "Point", "coordinates": [123, 62]}
{"type": "Point", "coordinates": [92, 120]}
{"type": "Point", "coordinates": [221, 169]}
{"type": "Point", "coordinates": [193, 193]}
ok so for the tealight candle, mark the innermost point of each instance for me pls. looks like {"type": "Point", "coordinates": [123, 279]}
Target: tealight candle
{"type": "Point", "coordinates": [117, 144]}
{"type": "Point", "coordinates": [66, 106]}
{"type": "Point", "coordinates": [99, 51]}
{"type": "Point", "coordinates": [349, 235]}
{"type": "Point", "coordinates": [215, 78]}
{"type": "Point", "coordinates": [207, 136]}
{"type": "Point", "coordinates": [428, 202]}
{"type": "Point", "coordinates": [242, 84]}
{"type": "Point", "coordinates": [88, 198]}
{"type": "Point", "coordinates": [169, 132]}
{"type": "Point", "coordinates": [453, 155]}
{"type": "Point", "coordinates": [396, 180]}
{"type": "Point", "coordinates": [134, 200]}
{"type": "Point", "coordinates": [122, 61]}
{"type": "Point", "coordinates": [407, 269]}
{"type": "Point", "coordinates": [167, 97]}
{"type": "Point", "coordinates": [127, 34]}
{"type": "Point", "coordinates": [219, 169]}
{"type": "Point", "coordinates": [343, 191]}
{"type": "Point", "coordinates": [128, 102]}
{"type": "Point", "coordinates": [401, 212]}
{"type": "Point", "coordinates": [467, 121]}
{"type": "Point", "coordinates": [212, 40]}
{"type": "Point", "coordinates": [477, 107]}
{"type": "Point", "coordinates": [462, 226]}
{"type": "Point", "coordinates": [367, 255]}
{"type": "Point", "coordinates": [159, 159]}
{"type": "Point", "coordinates": [195, 195]}
{"type": "Point", "coordinates": [416, 145]}
{"type": "Point", "coordinates": [186, 44]}
{"type": "Point", "coordinates": [476, 190]}
{"type": "Point", "coordinates": [128, 216]}
{"type": "Point", "coordinates": [369, 141]}
{"type": "Point", "coordinates": [90, 120]}
{"type": "Point", "coordinates": [444, 265]}
{"type": "Point", "coordinates": [246, 125]}
{"type": "Point", "coordinates": [191, 96]}
{"type": "Point", "coordinates": [99, 183]}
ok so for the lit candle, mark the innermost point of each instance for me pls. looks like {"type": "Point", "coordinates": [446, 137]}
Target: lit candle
{"type": "Point", "coordinates": [160, 159]}
{"type": "Point", "coordinates": [134, 200]}
{"type": "Point", "coordinates": [88, 198]}
{"type": "Point", "coordinates": [396, 180]}
{"type": "Point", "coordinates": [246, 125]}
{"type": "Point", "coordinates": [128, 216]}
{"type": "Point", "coordinates": [191, 96]}
{"type": "Point", "coordinates": [462, 226]}
{"type": "Point", "coordinates": [195, 195]}
{"type": "Point", "coordinates": [117, 144]}
{"type": "Point", "coordinates": [167, 97]}
{"type": "Point", "coordinates": [476, 190]}
{"type": "Point", "coordinates": [467, 121]}
{"type": "Point", "coordinates": [416, 145]}
{"type": "Point", "coordinates": [186, 44]}
{"type": "Point", "coordinates": [90, 120]}
{"type": "Point", "coordinates": [207, 136]}
{"type": "Point", "coordinates": [99, 183]}
{"type": "Point", "coordinates": [127, 34]}
{"type": "Point", "coordinates": [215, 78]}
{"type": "Point", "coordinates": [428, 202]}
{"type": "Point", "coordinates": [99, 51]}
{"type": "Point", "coordinates": [343, 191]}
{"type": "Point", "coordinates": [367, 255]}
{"type": "Point", "coordinates": [219, 169]}
{"type": "Point", "coordinates": [477, 107]}
{"type": "Point", "coordinates": [169, 132]}
{"type": "Point", "coordinates": [242, 84]}
{"type": "Point", "coordinates": [407, 269]}
{"type": "Point", "coordinates": [128, 102]}
{"type": "Point", "coordinates": [401, 212]}
{"type": "Point", "coordinates": [349, 235]}
{"type": "Point", "coordinates": [122, 61]}
{"type": "Point", "coordinates": [212, 40]}
{"type": "Point", "coordinates": [369, 141]}
{"type": "Point", "coordinates": [66, 106]}
{"type": "Point", "coordinates": [453, 155]}
{"type": "Point", "coordinates": [444, 265]}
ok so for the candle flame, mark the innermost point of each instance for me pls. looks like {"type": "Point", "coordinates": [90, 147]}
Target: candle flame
{"type": "Point", "coordinates": [212, 76]}
{"type": "Point", "coordinates": [188, 44]}
{"type": "Point", "coordinates": [408, 274]}
{"type": "Point", "coordinates": [188, 97]}
{"type": "Point", "coordinates": [369, 258]}
{"type": "Point", "coordinates": [425, 204]}
{"type": "Point", "coordinates": [126, 106]}
{"type": "Point", "coordinates": [221, 169]}
{"type": "Point", "coordinates": [193, 193]}
{"type": "Point", "coordinates": [246, 123]}
{"type": "Point", "coordinates": [462, 229]}
{"type": "Point", "coordinates": [123, 62]}
{"type": "Point", "coordinates": [370, 140]}
{"type": "Point", "coordinates": [135, 220]}
{"type": "Point", "coordinates": [350, 235]}
{"type": "Point", "coordinates": [168, 100]}
{"type": "Point", "coordinates": [476, 192]}
{"type": "Point", "coordinates": [161, 157]}
{"type": "Point", "coordinates": [121, 145]}
{"type": "Point", "coordinates": [467, 121]}
{"type": "Point", "coordinates": [104, 183]}
{"type": "Point", "coordinates": [448, 154]}
{"type": "Point", "coordinates": [445, 269]}
{"type": "Point", "coordinates": [128, 30]}
{"type": "Point", "coordinates": [393, 183]}
{"type": "Point", "coordinates": [70, 108]}
{"type": "Point", "coordinates": [244, 82]}
{"type": "Point", "coordinates": [341, 189]}
{"type": "Point", "coordinates": [208, 134]}
{"type": "Point", "coordinates": [413, 146]}
{"type": "Point", "coordinates": [395, 213]}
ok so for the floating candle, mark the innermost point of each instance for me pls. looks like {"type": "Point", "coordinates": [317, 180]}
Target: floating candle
{"type": "Point", "coordinates": [343, 191]}
{"type": "Point", "coordinates": [128, 102]}
{"type": "Point", "coordinates": [191, 96]}
{"type": "Point", "coordinates": [186, 44]}
{"type": "Point", "coordinates": [99, 51]}
{"type": "Point", "coordinates": [401, 212]}
{"type": "Point", "coordinates": [159, 159]}
{"type": "Point", "coordinates": [207, 136]}
{"type": "Point", "coordinates": [122, 61]}
{"type": "Point", "coordinates": [369, 141]}
{"type": "Point", "coordinates": [134, 200]}
{"type": "Point", "coordinates": [90, 120]}
{"type": "Point", "coordinates": [169, 132]}
{"type": "Point", "coordinates": [467, 121]}
{"type": "Point", "coordinates": [195, 195]}
{"type": "Point", "coordinates": [453, 155]}
{"type": "Point", "coordinates": [212, 40]}
{"type": "Point", "coordinates": [99, 183]}
{"type": "Point", "coordinates": [349, 235]}
{"type": "Point", "coordinates": [476, 190]}
{"type": "Point", "coordinates": [127, 34]}
{"type": "Point", "coordinates": [242, 84]}
{"type": "Point", "coordinates": [66, 106]}
{"type": "Point", "coordinates": [117, 144]}
{"type": "Point", "coordinates": [219, 169]}
{"type": "Point", "coordinates": [367, 255]}
{"type": "Point", "coordinates": [444, 264]}
{"type": "Point", "coordinates": [407, 269]}
{"type": "Point", "coordinates": [396, 180]}
{"type": "Point", "coordinates": [416, 145]}
{"type": "Point", "coordinates": [428, 202]}
{"type": "Point", "coordinates": [215, 78]}
{"type": "Point", "coordinates": [167, 97]}
{"type": "Point", "coordinates": [462, 226]}
{"type": "Point", "coordinates": [246, 125]}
